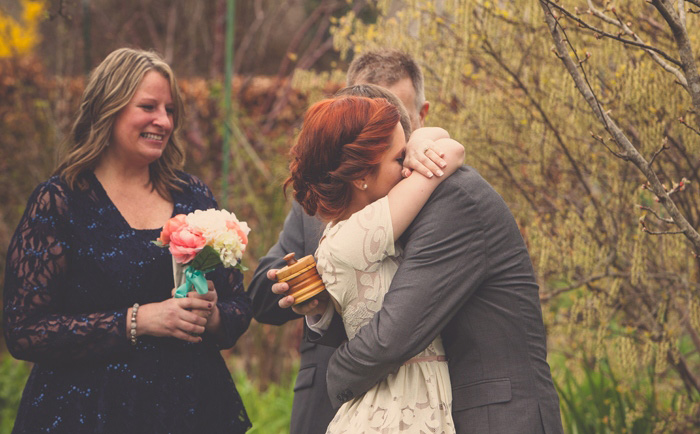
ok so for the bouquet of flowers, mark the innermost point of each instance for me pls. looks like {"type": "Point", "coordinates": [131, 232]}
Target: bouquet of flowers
{"type": "Point", "coordinates": [200, 241]}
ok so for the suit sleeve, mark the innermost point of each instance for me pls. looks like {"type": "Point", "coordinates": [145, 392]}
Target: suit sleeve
{"type": "Point", "coordinates": [265, 303]}
{"type": "Point", "coordinates": [444, 263]}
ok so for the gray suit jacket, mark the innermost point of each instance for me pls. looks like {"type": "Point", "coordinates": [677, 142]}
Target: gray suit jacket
{"type": "Point", "coordinates": [312, 410]}
{"type": "Point", "coordinates": [467, 275]}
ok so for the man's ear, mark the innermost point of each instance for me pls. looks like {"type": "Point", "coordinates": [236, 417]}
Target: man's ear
{"type": "Point", "coordinates": [425, 108]}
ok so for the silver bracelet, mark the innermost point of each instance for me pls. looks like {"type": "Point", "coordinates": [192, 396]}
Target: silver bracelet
{"type": "Point", "coordinates": [133, 323]}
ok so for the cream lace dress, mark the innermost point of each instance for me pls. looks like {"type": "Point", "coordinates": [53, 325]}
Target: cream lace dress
{"type": "Point", "coordinates": [357, 259]}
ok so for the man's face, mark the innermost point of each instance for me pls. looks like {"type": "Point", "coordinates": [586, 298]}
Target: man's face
{"type": "Point", "coordinates": [403, 89]}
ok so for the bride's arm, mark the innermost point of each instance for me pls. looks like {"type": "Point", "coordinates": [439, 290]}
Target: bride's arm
{"type": "Point", "coordinates": [408, 196]}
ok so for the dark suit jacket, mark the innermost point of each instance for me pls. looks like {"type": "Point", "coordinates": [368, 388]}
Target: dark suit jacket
{"type": "Point", "coordinates": [312, 410]}
{"type": "Point", "coordinates": [466, 274]}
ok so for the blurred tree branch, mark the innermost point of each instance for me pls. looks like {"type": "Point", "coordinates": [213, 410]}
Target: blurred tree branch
{"type": "Point", "coordinates": [574, 65]}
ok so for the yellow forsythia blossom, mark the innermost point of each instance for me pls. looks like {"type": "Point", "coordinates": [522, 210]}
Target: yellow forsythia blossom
{"type": "Point", "coordinates": [20, 37]}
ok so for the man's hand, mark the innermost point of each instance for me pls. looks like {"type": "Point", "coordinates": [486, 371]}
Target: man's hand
{"type": "Point", "coordinates": [315, 306]}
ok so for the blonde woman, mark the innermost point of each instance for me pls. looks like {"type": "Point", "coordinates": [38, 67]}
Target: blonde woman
{"type": "Point", "coordinates": [88, 296]}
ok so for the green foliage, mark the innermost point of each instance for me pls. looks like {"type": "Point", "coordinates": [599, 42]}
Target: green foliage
{"type": "Point", "coordinates": [13, 376]}
{"type": "Point", "coordinates": [594, 399]}
{"type": "Point", "coordinates": [269, 410]}
{"type": "Point", "coordinates": [594, 403]}
{"type": "Point", "coordinates": [206, 260]}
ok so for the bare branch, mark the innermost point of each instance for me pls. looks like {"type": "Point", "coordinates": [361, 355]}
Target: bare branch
{"type": "Point", "coordinates": [601, 33]}
{"type": "Point", "coordinates": [577, 72]}
{"type": "Point", "coordinates": [168, 51]}
{"type": "Point", "coordinates": [602, 141]}
{"type": "Point", "coordinates": [250, 35]}
{"type": "Point", "coordinates": [683, 308]}
{"type": "Point", "coordinates": [514, 182]}
{"type": "Point", "coordinates": [682, 120]}
{"type": "Point", "coordinates": [152, 28]}
{"type": "Point", "coordinates": [243, 142]}
{"type": "Point", "coordinates": [646, 208]}
{"type": "Point", "coordinates": [685, 50]}
{"type": "Point", "coordinates": [681, 12]}
{"type": "Point", "coordinates": [61, 12]}
{"type": "Point", "coordinates": [580, 283]}
{"type": "Point", "coordinates": [664, 146]}
{"type": "Point", "coordinates": [656, 56]}
{"type": "Point", "coordinates": [689, 379]}
{"type": "Point", "coordinates": [492, 52]}
{"type": "Point", "coordinates": [642, 222]}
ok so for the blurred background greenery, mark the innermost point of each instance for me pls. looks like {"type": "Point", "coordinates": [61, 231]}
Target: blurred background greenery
{"type": "Point", "coordinates": [621, 306]}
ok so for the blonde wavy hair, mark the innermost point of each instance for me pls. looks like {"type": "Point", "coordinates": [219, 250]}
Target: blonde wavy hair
{"type": "Point", "coordinates": [110, 87]}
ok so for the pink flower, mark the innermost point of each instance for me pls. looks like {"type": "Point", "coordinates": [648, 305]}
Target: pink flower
{"type": "Point", "coordinates": [230, 224]}
{"type": "Point", "coordinates": [185, 244]}
{"type": "Point", "coordinates": [172, 225]}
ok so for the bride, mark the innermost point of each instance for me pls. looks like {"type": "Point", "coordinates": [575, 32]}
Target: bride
{"type": "Point", "coordinates": [347, 168]}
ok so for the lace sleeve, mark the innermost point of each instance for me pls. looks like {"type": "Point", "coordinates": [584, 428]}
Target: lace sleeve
{"type": "Point", "coordinates": [364, 240]}
{"type": "Point", "coordinates": [36, 327]}
{"type": "Point", "coordinates": [199, 189]}
{"type": "Point", "coordinates": [234, 305]}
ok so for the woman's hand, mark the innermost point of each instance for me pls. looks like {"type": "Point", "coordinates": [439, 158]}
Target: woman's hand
{"type": "Point", "coordinates": [212, 315]}
{"type": "Point", "coordinates": [173, 317]}
{"type": "Point", "coordinates": [423, 155]}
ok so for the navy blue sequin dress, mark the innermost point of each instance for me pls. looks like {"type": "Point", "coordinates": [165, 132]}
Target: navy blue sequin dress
{"type": "Point", "coordinates": [74, 267]}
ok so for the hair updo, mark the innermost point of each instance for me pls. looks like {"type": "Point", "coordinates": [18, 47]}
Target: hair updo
{"type": "Point", "coordinates": [341, 140]}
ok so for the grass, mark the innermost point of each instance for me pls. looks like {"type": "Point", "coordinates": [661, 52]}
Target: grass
{"type": "Point", "coordinates": [13, 376]}
{"type": "Point", "coordinates": [270, 410]}
{"type": "Point", "coordinates": [593, 401]}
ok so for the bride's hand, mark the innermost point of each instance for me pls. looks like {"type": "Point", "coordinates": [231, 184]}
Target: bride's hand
{"type": "Point", "coordinates": [316, 306]}
{"type": "Point", "coordinates": [422, 155]}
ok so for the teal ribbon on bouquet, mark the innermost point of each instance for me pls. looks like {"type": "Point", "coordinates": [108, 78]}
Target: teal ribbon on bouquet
{"type": "Point", "coordinates": [193, 278]}
{"type": "Point", "coordinates": [206, 260]}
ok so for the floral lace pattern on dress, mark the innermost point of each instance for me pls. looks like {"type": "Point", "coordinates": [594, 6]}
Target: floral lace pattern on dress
{"type": "Point", "coordinates": [357, 258]}
{"type": "Point", "coordinates": [74, 267]}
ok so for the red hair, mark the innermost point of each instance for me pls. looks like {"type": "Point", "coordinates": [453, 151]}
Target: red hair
{"type": "Point", "coordinates": [341, 140]}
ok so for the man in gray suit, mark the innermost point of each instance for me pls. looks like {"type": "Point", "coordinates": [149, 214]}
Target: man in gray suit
{"type": "Point", "coordinates": [312, 410]}
{"type": "Point", "coordinates": [467, 275]}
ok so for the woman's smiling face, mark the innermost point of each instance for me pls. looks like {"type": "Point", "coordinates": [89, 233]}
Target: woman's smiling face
{"type": "Point", "coordinates": [142, 128]}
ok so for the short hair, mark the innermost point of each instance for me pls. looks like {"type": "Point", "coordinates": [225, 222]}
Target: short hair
{"type": "Point", "coordinates": [112, 84]}
{"type": "Point", "coordinates": [386, 68]}
{"type": "Point", "coordinates": [341, 140]}
{"type": "Point", "coordinates": [375, 91]}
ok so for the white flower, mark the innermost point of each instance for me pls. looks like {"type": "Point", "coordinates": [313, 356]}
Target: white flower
{"type": "Point", "coordinates": [211, 222]}
{"type": "Point", "coordinates": [230, 248]}
{"type": "Point", "coordinates": [223, 236]}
